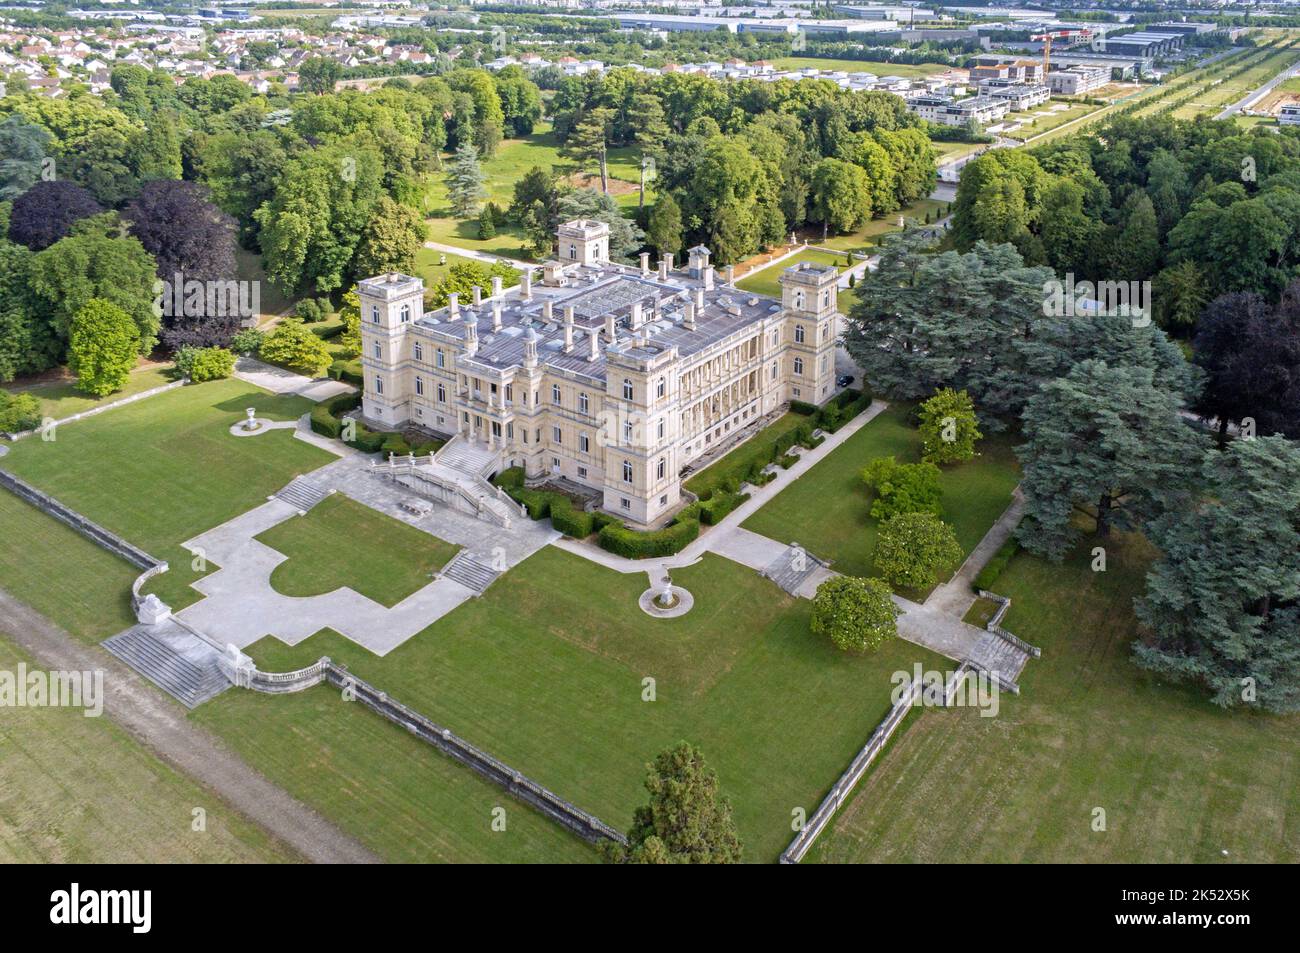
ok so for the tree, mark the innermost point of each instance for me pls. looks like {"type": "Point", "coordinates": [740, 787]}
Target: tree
{"type": "Point", "coordinates": [465, 182]}
{"type": "Point", "coordinates": [651, 132]}
{"type": "Point", "coordinates": [27, 342]}
{"type": "Point", "coordinates": [521, 101]}
{"type": "Point", "coordinates": [350, 314]}
{"type": "Point", "coordinates": [103, 347]}
{"type": "Point", "coordinates": [177, 223]}
{"type": "Point", "coordinates": [948, 427]}
{"type": "Point", "coordinates": [841, 196]}
{"type": "Point", "coordinates": [589, 142]}
{"type": "Point", "coordinates": [462, 277]}
{"type": "Point", "coordinates": [480, 107]}
{"type": "Point", "coordinates": [95, 262]}
{"type": "Point", "coordinates": [392, 237]}
{"type": "Point", "coordinates": [664, 228]}
{"type": "Point", "coordinates": [1136, 247]}
{"type": "Point", "coordinates": [1250, 354]}
{"type": "Point", "coordinates": [19, 412]}
{"type": "Point", "coordinates": [902, 487]}
{"type": "Point", "coordinates": [1103, 441]}
{"type": "Point", "coordinates": [1222, 603]}
{"type": "Point", "coordinates": [293, 345]}
{"type": "Point", "coordinates": [1179, 295]}
{"type": "Point", "coordinates": [47, 211]}
{"type": "Point", "coordinates": [858, 615]}
{"type": "Point", "coordinates": [914, 549]}
{"type": "Point", "coordinates": [23, 149]}
{"type": "Point", "coordinates": [319, 74]}
{"type": "Point", "coordinates": [687, 821]}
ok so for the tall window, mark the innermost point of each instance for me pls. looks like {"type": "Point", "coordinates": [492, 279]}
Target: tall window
{"type": "Point", "coordinates": [555, 393]}
{"type": "Point", "coordinates": [419, 351]}
{"type": "Point", "coordinates": [406, 313]}
{"type": "Point", "coordinates": [627, 389]}
{"type": "Point", "coordinates": [379, 385]}
{"type": "Point", "coordinates": [798, 334]}
{"type": "Point", "coordinates": [442, 394]}
{"type": "Point", "coordinates": [584, 443]}
{"type": "Point", "coordinates": [627, 431]}
{"type": "Point", "coordinates": [374, 314]}
{"type": "Point", "coordinates": [798, 366]}
{"type": "Point", "coordinates": [419, 385]}
{"type": "Point", "coordinates": [379, 351]}
{"type": "Point", "coordinates": [661, 468]}
{"type": "Point", "coordinates": [659, 388]}
{"type": "Point", "coordinates": [627, 471]}
{"type": "Point", "coordinates": [556, 434]}
{"type": "Point", "coordinates": [659, 430]}
{"type": "Point", "coordinates": [442, 359]}
{"type": "Point", "coordinates": [583, 403]}
{"type": "Point", "coordinates": [573, 251]}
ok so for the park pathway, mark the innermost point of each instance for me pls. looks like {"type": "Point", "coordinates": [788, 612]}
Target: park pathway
{"type": "Point", "coordinates": [161, 725]}
{"type": "Point", "coordinates": [957, 595]}
{"type": "Point", "coordinates": [477, 255]}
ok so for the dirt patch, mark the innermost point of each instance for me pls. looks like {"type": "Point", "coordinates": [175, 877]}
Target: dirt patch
{"type": "Point", "coordinates": [588, 180]}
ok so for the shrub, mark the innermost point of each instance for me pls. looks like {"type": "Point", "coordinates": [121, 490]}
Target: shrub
{"type": "Point", "coordinates": [325, 415]}
{"type": "Point", "coordinates": [713, 510]}
{"type": "Point", "coordinates": [842, 408]}
{"type": "Point", "coordinates": [948, 427]}
{"type": "Point", "coordinates": [803, 407]}
{"type": "Point", "coordinates": [988, 576]}
{"type": "Point", "coordinates": [293, 346]}
{"type": "Point", "coordinates": [903, 487]}
{"type": "Point", "coordinates": [625, 541]}
{"type": "Point", "coordinates": [349, 372]}
{"type": "Point", "coordinates": [211, 364]}
{"type": "Point", "coordinates": [247, 341]}
{"type": "Point", "coordinates": [313, 309]}
{"type": "Point", "coordinates": [102, 347]}
{"type": "Point", "coordinates": [858, 614]}
{"type": "Point", "coordinates": [913, 549]}
{"type": "Point", "coordinates": [18, 412]}
{"type": "Point", "coordinates": [569, 520]}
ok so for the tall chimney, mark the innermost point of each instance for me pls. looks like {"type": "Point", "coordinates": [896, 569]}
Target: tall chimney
{"type": "Point", "coordinates": [708, 277]}
{"type": "Point", "coordinates": [689, 321]}
{"type": "Point", "coordinates": [663, 268]}
{"type": "Point", "coordinates": [526, 284]}
{"type": "Point", "coordinates": [496, 286]}
{"type": "Point", "coordinates": [699, 299]}
{"type": "Point", "coordinates": [645, 264]}
{"type": "Point", "coordinates": [496, 315]}
{"type": "Point", "coordinates": [730, 274]}
{"type": "Point", "coordinates": [568, 328]}
{"type": "Point", "coordinates": [478, 296]}
{"type": "Point", "coordinates": [611, 329]}
{"type": "Point", "coordinates": [453, 306]}
{"type": "Point", "coordinates": [548, 310]}
{"type": "Point", "coordinates": [669, 259]}
{"type": "Point", "coordinates": [593, 351]}
{"type": "Point", "coordinates": [634, 317]}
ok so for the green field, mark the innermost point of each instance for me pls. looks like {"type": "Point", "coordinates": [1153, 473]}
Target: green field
{"type": "Point", "coordinates": [386, 560]}
{"type": "Point", "coordinates": [81, 790]}
{"type": "Point", "coordinates": [826, 509]}
{"type": "Point", "coordinates": [1227, 92]}
{"type": "Point", "coordinates": [61, 399]}
{"type": "Point", "coordinates": [1035, 125]}
{"type": "Point", "coordinates": [869, 234]}
{"type": "Point", "coordinates": [556, 690]}
{"type": "Point", "coordinates": [1180, 780]}
{"type": "Point", "coordinates": [766, 281]}
{"type": "Point", "coordinates": [906, 70]}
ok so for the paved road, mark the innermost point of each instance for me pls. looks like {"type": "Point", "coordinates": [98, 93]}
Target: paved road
{"type": "Point", "coordinates": [476, 255]}
{"type": "Point", "coordinates": [161, 725]}
{"type": "Point", "coordinates": [1251, 98]}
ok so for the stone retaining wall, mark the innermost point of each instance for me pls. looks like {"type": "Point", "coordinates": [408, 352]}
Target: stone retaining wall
{"type": "Point", "coordinates": [160, 389]}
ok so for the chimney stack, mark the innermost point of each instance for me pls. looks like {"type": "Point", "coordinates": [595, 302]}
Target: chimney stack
{"type": "Point", "coordinates": [453, 306]}
{"type": "Point", "coordinates": [496, 315]}
{"type": "Point", "coordinates": [634, 317]}
{"type": "Point", "coordinates": [699, 299]}
{"type": "Point", "coordinates": [611, 330]}
{"type": "Point", "coordinates": [708, 277]}
{"type": "Point", "coordinates": [730, 274]}
{"type": "Point", "coordinates": [496, 286]}
{"type": "Point", "coordinates": [689, 322]}
{"type": "Point", "coordinates": [645, 264]}
{"type": "Point", "coordinates": [568, 328]}
{"type": "Point", "coordinates": [526, 284]}
{"type": "Point", "coordinates": [548, 311]}
{"type": "Point", "coordinates": [594, 350]}
{"type": "Point", "coordinates": [663, 268]}
{"type": "Point", "coordinates": [478, 296]}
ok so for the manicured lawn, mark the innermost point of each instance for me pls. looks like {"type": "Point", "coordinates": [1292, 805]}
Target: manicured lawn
{"type": "Point", "coordinates": [1031, 124]}
{"type": "Point", "coordinates": [393, 792]}
{"type": "Point", "coordinates": [509, 241]}
{"type": "Point", "coordinates": [61, 399]}
{"type": "Point", "coordinates": [430, 266]}
{"type": "Point", "coordinates": [167, 468]}
{"type": "Point", "coordinates": [908, 70]}
{"type": "Point", "coordinates": [826, 508]}
{"type": "Point", "coordinates": [546, 672]}
{"type": "Point", "coordinates": [981, 612]}
{"type": "Point", "coordinates": [766, 281]}
{"type": "Point", "coordinates": [1180, 780]}
{"type": "Point", "coordinates": [341, 543]}
{"type": "Point", "coordinates": [738, 461]}
{"type": "Point", "coordinates": [81, 790]}
{"type": "Point", "coordinates": [248, 266]}
{"type": "Point", "coordinates": [870, 234]}
{"type": "Point", "coordinates": [52, 567]}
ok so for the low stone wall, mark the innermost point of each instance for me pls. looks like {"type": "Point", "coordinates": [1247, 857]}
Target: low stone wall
{"type": "Point", "coordinates": [587, 826]}
{"type": "Point", "coordinates": [91, 530]}
{"type": "Point", "coordinates": [995, 624]}
{"type": "Point", "coordinates": [843, 788]}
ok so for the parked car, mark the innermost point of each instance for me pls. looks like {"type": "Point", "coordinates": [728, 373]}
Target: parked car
{"type": "Point", "coordinates": [844, 380]}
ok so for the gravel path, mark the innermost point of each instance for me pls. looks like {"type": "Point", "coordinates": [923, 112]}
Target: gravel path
{"type": "Point", "coordinates": [160, 724]}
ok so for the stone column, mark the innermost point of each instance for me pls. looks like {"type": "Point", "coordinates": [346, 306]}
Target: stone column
{"type": "Point", "coordinates": [478, 296]}
{"type": "Point", "coordinates": [496, 286]}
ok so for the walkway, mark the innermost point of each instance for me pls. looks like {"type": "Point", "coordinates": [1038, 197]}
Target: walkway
{"type": "Point", "coordinates": [161, 725]}
{"type": "Point", "coordinates": [957, 595]}
{"type": "Point", "coordinates": [280, 381]}
{"type": "Point", "coordinates": [477, 255]}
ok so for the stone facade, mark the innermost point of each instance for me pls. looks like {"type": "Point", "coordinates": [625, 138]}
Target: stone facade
{"type": "Point", "coordinates": [612, 376]}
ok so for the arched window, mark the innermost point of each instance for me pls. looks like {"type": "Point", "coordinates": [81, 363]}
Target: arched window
{"type": "Point", "coordinates": [798, 366]}
{"type": "Point", "coordinates": [798, 334]}
{"type": "Point", "coordinates": [627, 388]}
{"type": "Point", "coordinates": [419, 351]}
{"type": "Point", "coordinates": [406, 313]}
{"type": "Point", "coordinates": [627, 471]}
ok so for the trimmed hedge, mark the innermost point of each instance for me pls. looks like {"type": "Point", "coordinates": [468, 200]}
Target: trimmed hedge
{"type": "Point", "coordinates": [347, 371]}
{"type": "Point", "coordinates": [565, 517]}
{"type": "Point", "coordinates": [326, 421]}
{"type": "Point", "coordinates": [325, 415]}
{"type": "Point", "coordinates": [987, 576]}
{"type": "Point", "coordinates": [842, 408]}
{"type": "Point", "coordinates": [623, 541]}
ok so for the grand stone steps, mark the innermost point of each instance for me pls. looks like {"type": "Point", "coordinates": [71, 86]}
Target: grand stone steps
{"type": "Point", "coordinates": [792, 569]}
{"type": "Point", "coordinates": [302, 494]}
{"type": "Point", "coordinates": [470, 573]}
{"type": "Point", "coordinates": [1001, 658]}
{"type": "Point", "coordinates": [472, 459]}
{"type": "Point", "coordinates": [174, 659]}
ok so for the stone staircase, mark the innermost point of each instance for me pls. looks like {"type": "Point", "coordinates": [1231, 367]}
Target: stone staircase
{"type": "Point", "coordinates": [469, 572]}
{"type": "Point", "coordinates": [302, 494]}
{"type": "Point", "coordinates": [1001, 658]}
{"type": "Point", "coordinates": [471, 458]}
{"type": "Point", "coordinates": [173, 658]}
{"type": "Point", "coordinates": [793, 568]}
